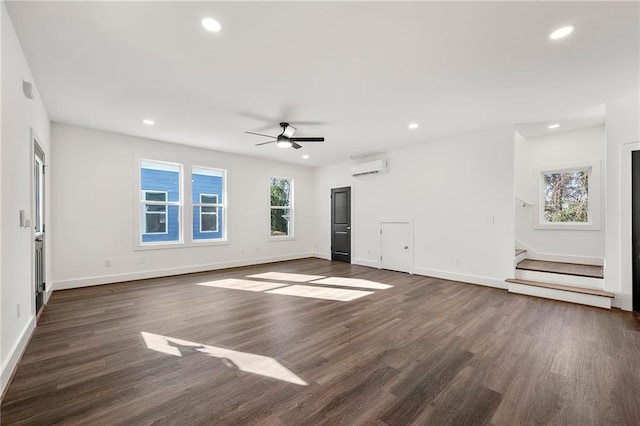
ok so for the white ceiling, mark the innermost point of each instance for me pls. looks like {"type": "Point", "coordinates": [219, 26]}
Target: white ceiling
{"type": "Point", "coordinates": [366, 70]}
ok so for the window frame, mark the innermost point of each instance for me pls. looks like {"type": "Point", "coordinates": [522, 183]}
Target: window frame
{"type": "Point", "coordinates": [593, 195]}
{"type": "Point", "coordinates": [216, 205]}
{"type": "Point", "coordinates": [144, 202]}
{"type": "Point", "coordinates": [186, 206]}
{"type": "Point", "coordinates": [290, 207]}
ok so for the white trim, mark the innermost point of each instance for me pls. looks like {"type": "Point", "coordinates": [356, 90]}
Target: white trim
{"type": "Point", "coordinates": [156, 273]}
{"type": "Point", "coordinates": [366, 262]}
{"type": "Point", "coordinates": [562, 279]}
{"type": "Point", "coordinates": [15, 353]}
{"type": "Point", "coordinates": [465, 278]}
{"type": "Point", "coordinates": [595, 183]}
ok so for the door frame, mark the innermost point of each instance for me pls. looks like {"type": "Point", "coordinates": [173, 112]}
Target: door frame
{"type": "Point", "coordinates": [34, 140]}
{"type": "Point", "coordinates": [351, 243]}
{"type": "Point", "coordinates": [407, 220]}
{"type": "Point", "coordinates": [626, 223]}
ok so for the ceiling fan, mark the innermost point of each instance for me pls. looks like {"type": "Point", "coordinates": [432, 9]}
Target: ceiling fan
{"type": "Point", "coordinates": [286, 139]}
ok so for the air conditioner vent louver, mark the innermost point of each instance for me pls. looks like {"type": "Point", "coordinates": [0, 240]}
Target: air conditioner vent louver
{"type": "Point", "coordinates": [369, 168]}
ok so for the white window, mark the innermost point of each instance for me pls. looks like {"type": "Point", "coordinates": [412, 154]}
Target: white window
{"type": "Point", "coordinates": [569, 198]}
{"type": "Point", "coordinates": [160, 202]}
{"type": "Point", "coordinates": [208, 196]}
{"type": "Point", "coordinates": [281, 209]}
{"type": "Point", "coordinates": [154, 216]}
{"type": "Point", "coordinates": [208, 213]}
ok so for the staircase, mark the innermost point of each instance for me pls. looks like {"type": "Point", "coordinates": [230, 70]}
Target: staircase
{"type": "Point", "coordinates": [569, 282]}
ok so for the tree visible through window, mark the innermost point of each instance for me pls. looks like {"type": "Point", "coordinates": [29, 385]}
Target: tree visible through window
{"type": "Point", "coordinates": [566, 196]}
{"type": "Point", "coordinates": [281, 206]}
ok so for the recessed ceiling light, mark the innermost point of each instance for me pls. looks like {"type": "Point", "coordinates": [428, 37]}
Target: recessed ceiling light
{"type": "Point", "coordinates": [305, 156]}
{"type": "Point", "coordinates": [562, 32]}
{"type": "Point", "coordinates": [212, 25]}
{"type": "Point", "coordinates": [553, 126]}
{"type": "Point", "coordinates": [148, 122]}
{"type": "Point", "coordinates": [413, 126]}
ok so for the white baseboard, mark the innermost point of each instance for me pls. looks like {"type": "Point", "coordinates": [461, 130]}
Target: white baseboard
{"type": "Point", "coordinates": [555, 257]}
{"type": "Point", "coordinates": [10, 364]}
{"type": "Point", "coordinates": [466, 278]}
{"type": "Point", "coordinates": [325, 256]}
{"type": "Point", "coordinates": [365, 262]}
{"type": "Point", "coordinates": [156, 273]}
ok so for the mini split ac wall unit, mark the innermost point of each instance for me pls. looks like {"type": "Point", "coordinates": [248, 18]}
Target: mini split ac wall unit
{"type": "Point", "coordinates": [370, 168]}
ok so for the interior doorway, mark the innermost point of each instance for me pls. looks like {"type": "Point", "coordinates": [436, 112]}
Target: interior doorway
{"type": "Point", "coordinates": [341, 224]}
{"type": "Point", "coordinates": [38, 197]}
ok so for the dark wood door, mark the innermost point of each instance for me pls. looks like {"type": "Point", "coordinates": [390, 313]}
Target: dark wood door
{"type": "Point", "coordinates": [341, 224]}
{"type": "Point", "coordinates": [635, 222]}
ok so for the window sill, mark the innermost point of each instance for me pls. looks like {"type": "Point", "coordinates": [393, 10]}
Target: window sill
{"type": "Point", "coordinates": [180, 245]}
{"type": "Point", "coordinates": [568, 226]}
{"type": "Point", "coordinates": [283, 238]}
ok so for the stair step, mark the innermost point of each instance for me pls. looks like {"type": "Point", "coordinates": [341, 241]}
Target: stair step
{"type": "Point", "coordinates": [520, 251]}
{"type": "Point", "coordinates": [572, 289]}
{"type": "Point", "coordinates": [576, 269]}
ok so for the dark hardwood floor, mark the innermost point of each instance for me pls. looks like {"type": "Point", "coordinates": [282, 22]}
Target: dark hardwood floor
{"type": "Point", "coordinates": [426, 351]}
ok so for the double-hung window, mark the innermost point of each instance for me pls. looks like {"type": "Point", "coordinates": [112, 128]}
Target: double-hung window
{"type": "Point", "coordinates": [281, 209]}
{"type": "Point", "coordinates": [160, 201]}
{"type": "Point", "coordinates": [208, 198]}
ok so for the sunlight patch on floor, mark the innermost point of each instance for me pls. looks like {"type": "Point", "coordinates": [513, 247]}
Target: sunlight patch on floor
{"type": "Point", "coordinates": [321, 292]}
{"type": "Point", "coordinates": [244, 361]}
{"type": "Point", "coordinates": [352, 282]}
{"type": "Point", "coordinates": [238, 284]}
{"type": "Point", "coordinates": [283, 276]}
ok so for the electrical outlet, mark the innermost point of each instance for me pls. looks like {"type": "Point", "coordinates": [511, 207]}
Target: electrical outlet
{"type": "Point", "coordinates": [456, 261]}
{"type": "Point", "coordinates": [490, 220]}
{"type": "Point", "coordinates": [107, 263]}
{"type": "Point", "coordinates": [18, 310]}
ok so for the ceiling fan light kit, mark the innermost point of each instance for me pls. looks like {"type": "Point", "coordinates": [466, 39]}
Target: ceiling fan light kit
{"type": "Point", "coordinates": [286, 139]}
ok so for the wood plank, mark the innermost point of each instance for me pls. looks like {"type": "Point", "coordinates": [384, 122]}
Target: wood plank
{"type": "Point", "coordinates": [572, 289]}
{"type": "Point", "coordinates": [424, 351]}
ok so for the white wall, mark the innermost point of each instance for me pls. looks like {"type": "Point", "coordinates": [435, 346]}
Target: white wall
{"type": "Point", "coordinates": [449, 188]}
{"type": "Point", "coordinates": [19, 115]}
{"type": "Point", "coordinates": [584, 147]}
{"type": "Point", "coordinates": [93, 209]}
{"type": "Point", "coordinates": [622, 137]}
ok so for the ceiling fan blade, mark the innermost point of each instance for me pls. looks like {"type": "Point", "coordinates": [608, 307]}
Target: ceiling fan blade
{"type": "Point", "coordinates": [312, 139]}
{"type": "Point", "coordinates": [295, 145]}
{"type": "Point", "coordinates": [264, 143]}
{"type": "Point", "coordinates": [258, 117]}
{"type": "Point", "coordinates": [309, 123]}
{"type": "Point", "coordinates": [261, 134]}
